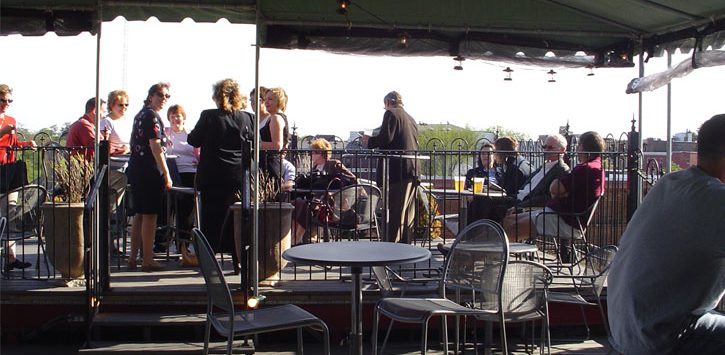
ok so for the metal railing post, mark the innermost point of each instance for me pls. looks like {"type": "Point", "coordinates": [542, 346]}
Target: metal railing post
{"type": "Point", "coordinates": [633, 163]}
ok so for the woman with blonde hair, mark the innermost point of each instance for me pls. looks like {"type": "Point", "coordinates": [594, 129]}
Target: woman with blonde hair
{"type": "Point", "coordinates": [273, 133]}
{"type": "Point", "coordinates": [220, 133]}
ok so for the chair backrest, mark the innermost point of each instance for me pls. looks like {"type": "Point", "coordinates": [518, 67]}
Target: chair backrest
{"type": "Point", "coordinates": [591, 210]}
{"type": "Point", "coordinates": [51, 155]}
{"type": "Point", "coordinates": [3, 222]}
{"type": "Point", "coordinates": [598, 262]}
{"type": "Point", "coordinates": [354, 204]}
{"type": "Point", "coordinates": [218, 294]}
{"type": "Point", "coordinates": [476, 263]}
{"type": "Point", "coordinates": [383, 279]}
{"type": "Point", "coordinates": [524, 287]}
{"type": "Point", "coordinates": [21, 207]}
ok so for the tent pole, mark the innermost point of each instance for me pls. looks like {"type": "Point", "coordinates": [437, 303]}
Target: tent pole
{"type": "Point", "coordinates": [668, 159]}
{"type": "Point", "coordinates": [96, 233]}
{"type": "Point", "coordinates": [255, 165]}
{"type": "Point", "coordinates": [641, 134]}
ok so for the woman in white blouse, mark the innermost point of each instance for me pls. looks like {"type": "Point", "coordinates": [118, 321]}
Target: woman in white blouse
{"type": "Point", "coordinates": [187, 158]}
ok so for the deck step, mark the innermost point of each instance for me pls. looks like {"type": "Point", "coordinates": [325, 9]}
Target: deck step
{"type": "Point", "coordinates": [148, 319]}
{"type": "Point", "coordinates": [164, 348]}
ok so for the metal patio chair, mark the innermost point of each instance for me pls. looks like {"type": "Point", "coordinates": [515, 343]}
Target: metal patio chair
{"type": "Point", "coordinates": [352, 211]}
{"type": "Point", "coordinates": [24, 217]}
{"type": "Point", "coordinates": [462, 272]}
{"type": "Point", "coordinates": [589, 284]}
{"type": "Point", "coordinates": [567, 251]}
{"type": "Point", "coordinates": [477, 271]}
{"type": "Point", "coordinates": [231, 323]}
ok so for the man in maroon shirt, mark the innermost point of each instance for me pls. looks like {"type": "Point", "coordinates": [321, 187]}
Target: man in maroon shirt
{"type": "Point", "coordinates": [82, 132]}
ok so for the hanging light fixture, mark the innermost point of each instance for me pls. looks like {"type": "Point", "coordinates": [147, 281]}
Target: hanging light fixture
{"type": "Point", "coordinates": [591, 70]}
{"type": "Point", "coordinates": [342, 6]}
{"type": "Point", "coordinates": [508, 72]}
{"type": "Point", "coordinates": [403, 40]}
{"type": "Point", "coordinates": [460, 60]}
{"type": "Point", "coordinates": [551, 73]}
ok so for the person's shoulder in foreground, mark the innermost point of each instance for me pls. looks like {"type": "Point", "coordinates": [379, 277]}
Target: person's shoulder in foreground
{"type": "Point", "coordinates": [668, 275]}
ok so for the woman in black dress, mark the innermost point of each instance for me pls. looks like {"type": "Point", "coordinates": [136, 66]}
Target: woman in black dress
{"type": "Point", "coordinates": [273, 133]}
{"type": "Point", "coordinates": [220, 134]}
{"type": "Point", "coordinates": [148, 175]}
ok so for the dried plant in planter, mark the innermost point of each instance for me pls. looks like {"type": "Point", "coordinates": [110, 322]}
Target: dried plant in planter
{"type": "Point", "coordinates": [73, 178]}
{"type": "Point", "coordinates": [268, 187]}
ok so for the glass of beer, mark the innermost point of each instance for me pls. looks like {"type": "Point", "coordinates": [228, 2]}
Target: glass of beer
{"type": "Point", "coordinates": [478, 184]}
{"type": "Point", "coordinates": [459, 182]}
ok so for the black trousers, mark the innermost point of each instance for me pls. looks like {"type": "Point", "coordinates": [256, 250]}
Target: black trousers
{"type": "Point", "coordinates": [216, 226]}
{"type": "Point", "coordinates": [484, 207]}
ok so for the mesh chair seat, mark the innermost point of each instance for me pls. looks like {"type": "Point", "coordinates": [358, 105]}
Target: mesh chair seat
{"type": "Point", "coordinates": [572, 298]}
{"type": "Point", "coordinates": [416, 310]}
{"type": "Point", "coordinates": [264, 320]}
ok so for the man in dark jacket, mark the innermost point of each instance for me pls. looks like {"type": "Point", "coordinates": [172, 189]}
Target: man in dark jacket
{"type": "Point", "coordinates": [398, 136]}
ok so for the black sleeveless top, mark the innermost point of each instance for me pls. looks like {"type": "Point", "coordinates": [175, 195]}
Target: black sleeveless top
{"type": "Point", "coordinates": [265, 133]}
{"type": "Point", "coordinates": [270, 160]}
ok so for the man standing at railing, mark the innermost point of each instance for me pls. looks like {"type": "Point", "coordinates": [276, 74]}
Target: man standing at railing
{"type": "Point", "coordinates": [398, 136]}
{"type": "Point", "coordinates": [669, 272]}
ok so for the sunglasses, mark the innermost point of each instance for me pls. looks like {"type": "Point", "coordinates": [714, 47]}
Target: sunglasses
{"type": "Point", "coordinates": [167, 96]}
{"type": "Point", "coordinates": [8, 101]}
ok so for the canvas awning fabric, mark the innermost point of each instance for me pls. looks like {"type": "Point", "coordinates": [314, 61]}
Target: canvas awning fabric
{"type": "Point", "coordinates": [568, 32]}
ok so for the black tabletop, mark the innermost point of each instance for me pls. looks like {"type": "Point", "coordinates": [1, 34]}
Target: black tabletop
{"type": "Point", "coordinates": [356, 254]}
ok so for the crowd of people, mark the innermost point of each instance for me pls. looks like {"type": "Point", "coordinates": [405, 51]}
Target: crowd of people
{"type": "Point", "coordinates": [208, 156]}
{"type": "Point", "coordinates": [683, 256]}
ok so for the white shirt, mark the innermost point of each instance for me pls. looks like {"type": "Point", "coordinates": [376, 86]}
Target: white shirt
{"type": "Point", "coordinates": [119, 130]}
{"type": "Point", "coordinates": [288, 171]}
{"type": "Point", "coordinates": [535, 180]}
{"type": "Point", "coordinates": [187, 157]}
{"type": "Point", "coordinates": [119, 135]}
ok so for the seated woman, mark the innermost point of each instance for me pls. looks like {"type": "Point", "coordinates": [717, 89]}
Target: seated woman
{"type": "Point", "coordinates": [485, 167]}
{"type": "Point", "coordinates": [572, 193]}
{"type": "Point", "coordinates": [321, 165]}
{"type": "Point", "coordinates": [512, 172]}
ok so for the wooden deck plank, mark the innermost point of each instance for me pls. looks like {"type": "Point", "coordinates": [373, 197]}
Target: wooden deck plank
{"type": "Point", "coordinates": [179, 347]}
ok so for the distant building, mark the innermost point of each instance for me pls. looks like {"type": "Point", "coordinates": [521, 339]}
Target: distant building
{"type": "Point", "coordinates": [684, 150]}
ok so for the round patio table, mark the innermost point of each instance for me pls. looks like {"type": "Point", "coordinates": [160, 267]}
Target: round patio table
{"type": "Point", "coordinates": [356, 255]}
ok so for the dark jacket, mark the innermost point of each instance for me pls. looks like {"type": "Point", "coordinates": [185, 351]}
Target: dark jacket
{"type": "Point", "coordinates": [220, 134]}
{"type": "Point", "coordinates": [398, 135]}
{"type": "Point", "coordinates": [539, 194]}
{"type": "Point", "coordinates": [513, 174]}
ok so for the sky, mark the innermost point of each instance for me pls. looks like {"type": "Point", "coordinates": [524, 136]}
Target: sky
{"type": "Point", "coordinates": [52, 78]}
